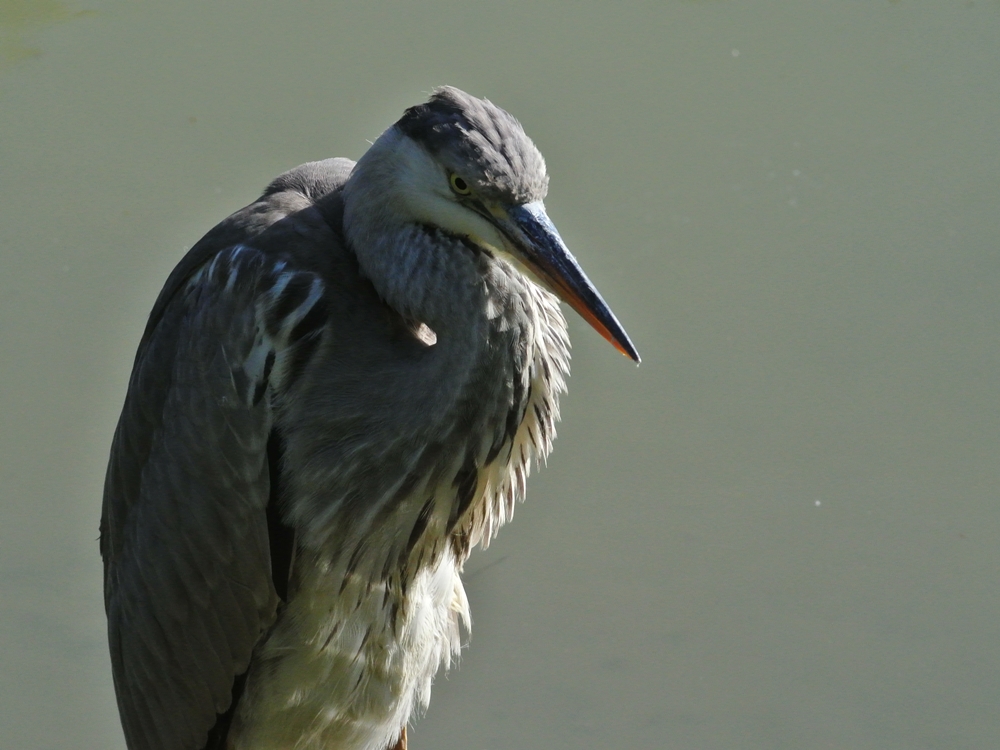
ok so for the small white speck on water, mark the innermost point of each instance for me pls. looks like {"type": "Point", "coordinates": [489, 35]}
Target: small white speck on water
{"type": "Point", "coordinates": [817, 502]}
{"type": "Point", "coordinates": [735, 53]}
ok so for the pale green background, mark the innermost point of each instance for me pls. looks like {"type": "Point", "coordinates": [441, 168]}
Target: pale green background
{"type": "Point", "coordinates": [781, 531]}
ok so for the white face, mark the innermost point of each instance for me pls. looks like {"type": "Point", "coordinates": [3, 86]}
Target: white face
{"type": "Point", "coordinates": [423, 187]}
{"type": "Point", "coordinates": [401, 174]}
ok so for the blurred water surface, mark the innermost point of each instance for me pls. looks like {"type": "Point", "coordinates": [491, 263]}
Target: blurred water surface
{"type": "Point", "coordinates": [779, 532]}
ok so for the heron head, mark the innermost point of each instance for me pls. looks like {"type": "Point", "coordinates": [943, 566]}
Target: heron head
{"type": "Point", "coordinates": [465, 166]}
{"type": "Point", "coordinates": [481, 147]}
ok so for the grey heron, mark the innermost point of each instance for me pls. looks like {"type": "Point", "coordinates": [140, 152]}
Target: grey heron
{"type": "Point", "coordinates": [339, 392]}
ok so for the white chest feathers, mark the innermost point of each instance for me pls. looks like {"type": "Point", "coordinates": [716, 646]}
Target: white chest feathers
{"type": "Point", "coordinates": [345, 668]}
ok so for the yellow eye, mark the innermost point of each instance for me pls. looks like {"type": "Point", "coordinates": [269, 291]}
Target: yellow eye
{"type": "Point", "coordinates": [460, 186]}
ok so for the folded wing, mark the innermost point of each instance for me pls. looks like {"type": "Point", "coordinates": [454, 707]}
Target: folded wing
{"type": "Point", "coordinates": [184, 535]}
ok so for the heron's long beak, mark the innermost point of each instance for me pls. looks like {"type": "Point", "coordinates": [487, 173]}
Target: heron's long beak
{"type": "Point", "coordinates": [540, 248]}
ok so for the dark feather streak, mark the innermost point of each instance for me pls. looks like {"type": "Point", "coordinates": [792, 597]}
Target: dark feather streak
{"type": "Point", "coordinates": [465, 484]}
{"type": "Point", "coordinates": [280, 535]}
{"type": "Point", "coordinates": [352, 563]}
{"type": "Point", "coordinates": [419, 527]}
{"type": "Point", "coordinates": [258, 393]}
{"type": "Point", "coordinates": [311, 322]}
{"type": "Point", "coordinates": [292, 297]}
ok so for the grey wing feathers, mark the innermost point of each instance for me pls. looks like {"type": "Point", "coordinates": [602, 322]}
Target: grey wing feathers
{"type": "Point", "coordinates": [188, 587]}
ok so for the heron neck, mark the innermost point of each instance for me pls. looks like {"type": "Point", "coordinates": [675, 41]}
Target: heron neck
{"type": "Point", "coordinates": [457, 291]}
{"type": "Point", "coordinates": [424, 273]}
{"type": "Point", "coordinates": [429, 276]}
